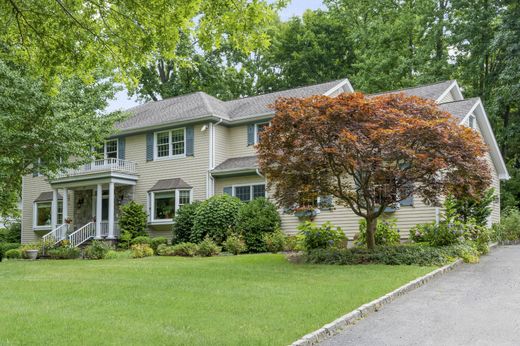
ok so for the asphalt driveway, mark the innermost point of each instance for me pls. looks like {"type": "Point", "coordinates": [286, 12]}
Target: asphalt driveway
{"type": "Point", "coordinates": [475, 304]}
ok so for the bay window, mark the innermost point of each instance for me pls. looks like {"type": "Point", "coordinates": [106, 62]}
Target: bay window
{"type": "Point", "coordinates": [164, 204]}
{"type": "Point", "coordinates": [43, 214]}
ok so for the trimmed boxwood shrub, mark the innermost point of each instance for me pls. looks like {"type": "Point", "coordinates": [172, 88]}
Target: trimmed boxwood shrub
{"type": "Point", "coordinates": [141, 240]}
{"type": "Point", "coordinates": [165, 250]}
{"type": "Point", "coordinates": [13, 254]}
{"type": "Point", "coordinates": [215, 217]}
{"type": "Point", "coordinates": [254, 220]}
{"type": "Point", "coordinates": [96, 250]}
{"type": "Point", "coordinates": [183, 222]}
{"type": "Point", "coordinates": [155, 242]}
{"type": "Point", "coordinates": [4, 247]}
{"type": "Point", "coordinates": [208, 248]}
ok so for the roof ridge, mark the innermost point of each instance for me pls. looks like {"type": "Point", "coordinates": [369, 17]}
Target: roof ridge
{"type": "Point", "coordinates": [288, 89]}
{"type": "Point", "coordinates": [413, 87]}
{"type": "Point", "coordinates": [169, 99]}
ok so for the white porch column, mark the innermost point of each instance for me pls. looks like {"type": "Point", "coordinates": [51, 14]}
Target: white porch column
{"type": "Point", "coordinates": [111, 211]}
{"type": "Point", "coordinates": [54, 209]}
{"type": "Point", "coordinates": [99, 210]}
{"type": "Point", "coordinates": [65, 205]}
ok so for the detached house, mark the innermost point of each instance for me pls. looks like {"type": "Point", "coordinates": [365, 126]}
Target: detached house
{"type": "Point", "coordinates": [191, 147]}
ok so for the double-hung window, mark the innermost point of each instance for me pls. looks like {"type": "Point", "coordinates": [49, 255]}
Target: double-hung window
{"type": "Point", "coordinates": [109, 150]}
{"type": "Point", "coordinates": [247, 193]}
{"type": "Point", "coordinates": [170, 144]}
{"type": "Point", "coordinates": [258, 130]}
{"type": "Point", "coordinates": [164, 204]}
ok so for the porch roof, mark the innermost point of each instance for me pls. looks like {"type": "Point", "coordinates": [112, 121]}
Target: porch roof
{"type": "Point", "coordinates": [46, 196]}
{"type": "Point", "coordinates": [170, 184]}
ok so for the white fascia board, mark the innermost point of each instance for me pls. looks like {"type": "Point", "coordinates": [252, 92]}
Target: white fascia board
{"type": "Point", "coordinates": [453, 87]}
{"type": "Point", "coordinates": [343, 83]}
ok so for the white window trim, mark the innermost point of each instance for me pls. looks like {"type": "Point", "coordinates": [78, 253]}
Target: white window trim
{"type": "Point", "coordinates": [151, 206]}
{"type": "Point", "coordinates": [105, 149]}
{"type": "Point", "coordinates": [170, 145]}
{"type": "Point", "coordinates": [233, 187]}
{"type": "Point", "coordinates": [268, 123]}
{"type": "Point", "coordinates": [35, 215]}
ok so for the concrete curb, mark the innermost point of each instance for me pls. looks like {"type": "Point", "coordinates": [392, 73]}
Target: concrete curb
{"type": "Point", "coordinates": [339, 324]}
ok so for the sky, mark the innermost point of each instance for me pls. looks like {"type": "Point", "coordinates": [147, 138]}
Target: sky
{"type": "Point", "coordinates": [296, 8]}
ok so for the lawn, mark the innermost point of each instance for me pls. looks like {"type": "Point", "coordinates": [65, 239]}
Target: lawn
{"type": "Point", "coordinates": [242, 300]}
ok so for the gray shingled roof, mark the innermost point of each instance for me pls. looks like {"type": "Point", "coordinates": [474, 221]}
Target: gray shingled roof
{"type": "Point", "coordinates": [199, 105]}
{"type": "Point", "coordinates": [255, 105]}
{"type": "Point", "coordinates": [459, 108]}
{"type": "Point", "coordinates": [430, 91]}
{"type": "Point", "coordinates": [46, 196]}
{"type": "Point", "coordinates": [237, 164]}
{"type": "Point", "coordinates": [170, 184]}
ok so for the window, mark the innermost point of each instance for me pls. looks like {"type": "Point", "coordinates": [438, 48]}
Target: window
{"type": "Point", "coordinates": [247, 193]}
{"type": "Point", "coordinates": [170, 144]}
{"type": "Point", "coordinates": [108, 150]}
{"type": "Point", "coordinates": [184, 197]}
{"type": "Point", "coordinates": [165, 203]}
{"type": "Point", "coordinates": [258, 130]}
{"type": "Point", "coordinates": [43, 211]}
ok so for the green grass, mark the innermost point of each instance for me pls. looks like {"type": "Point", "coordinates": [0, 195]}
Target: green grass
{"type": "Point", "coordinates": [242, 300]}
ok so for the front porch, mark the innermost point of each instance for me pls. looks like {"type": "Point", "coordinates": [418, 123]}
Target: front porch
{"type": "Point", "coordinates": [90, 200]}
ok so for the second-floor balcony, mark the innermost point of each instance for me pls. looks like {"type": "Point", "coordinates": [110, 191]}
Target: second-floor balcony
{"type": "Point", "coordinates": [99, 167]}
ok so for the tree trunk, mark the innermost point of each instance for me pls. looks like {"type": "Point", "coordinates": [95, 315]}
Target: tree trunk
{"type": "Point", "coordinates": [371, 233]}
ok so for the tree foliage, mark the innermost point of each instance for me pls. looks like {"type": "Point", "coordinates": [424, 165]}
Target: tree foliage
{"type": "Point", "coordinates": [369, 153]}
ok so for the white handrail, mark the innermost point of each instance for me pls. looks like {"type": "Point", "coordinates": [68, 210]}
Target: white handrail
{"type": "Point", "coordinates": [107, 165]}
{"type": "Point", "coordinates": [83, 234]}
{"type": "Point", "coordinates": [57, 234]}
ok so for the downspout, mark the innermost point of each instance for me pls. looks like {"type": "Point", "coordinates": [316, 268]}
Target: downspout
{"type": "Point", "coordinates": [211, 180]}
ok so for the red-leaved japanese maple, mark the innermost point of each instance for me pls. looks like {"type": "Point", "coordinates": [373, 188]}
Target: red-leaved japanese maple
{"type": "Point", "coordinates": [369, 153]}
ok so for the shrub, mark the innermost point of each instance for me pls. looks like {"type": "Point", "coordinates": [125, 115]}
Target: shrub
{"type": "Point", "coordinates": [141, 240]}
{"type": "Point", "coordinates": [420, 233]}
{"type": "Point", "coordinates": [96, 250]}
{"type": "Point", "coordinates": [132, 222]}
{"type": "Point", "coordinates": [185, 249]}
{"type": "Point", "coordinates": [293, 243]}
{"type": "Point", "coordinates": [11, 234]}
{"type": "Point", "coordinates": [443, 234]}
{"type": "Point", "coordinates": [254, 220]}
{"type": "Point", "coordinates": [411, 254]}
{"type": "Point", "coordinates": [235, 244]}
{"type": "Point", "coordinates": [275, 242]}
{"type": "Point", "coordinates": [215, 217]}
{"type": "Point", "coordinates": [64, 253]}
{"type": "Point", "coordinates": [13, 254]}
{"type": "Point", "coordinates": [165, 250]}
{"type": "Point", "coordinates": [141, 250]}
{"type": "Point", "coordinates": [208, 248]}
{"type": "Point", "coordinates": [183, 223]}
{"type": "Point", "coordinates": [386, 232]}
{"type": "Point", "coordinates": [508, 229]}
{"type": "Point", "coordinates": [321, 237]}
{"type": "Point", "coordinates": [4, 247]}
{"type": "Point", "coordinates": [470, 209]}
{"type": "Point", "coordinates": [155, 242]}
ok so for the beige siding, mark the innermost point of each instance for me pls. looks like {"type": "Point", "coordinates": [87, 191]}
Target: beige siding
{"type": "Point", "coordinates": [448, 98]}
{"type": "Point", "coordinates": [32, 187]}
{"type": "Point", "coordinates": [222, 144]}
{"type": "Point", "coordinates": [237, 142]}
{"type": "Point", "coordinates": [192, 169]}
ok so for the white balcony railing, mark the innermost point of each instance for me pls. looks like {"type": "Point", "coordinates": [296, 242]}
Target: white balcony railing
{"type": "Point", "coordinates": [98, 166]}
